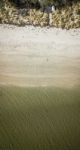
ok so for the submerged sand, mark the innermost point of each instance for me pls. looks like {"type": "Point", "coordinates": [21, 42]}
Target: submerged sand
{"type": "Point", "coordinates": [34, 56]}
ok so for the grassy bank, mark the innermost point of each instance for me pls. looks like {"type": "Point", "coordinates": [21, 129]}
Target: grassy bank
{"type": "Point", "coordinates": [39, 118]}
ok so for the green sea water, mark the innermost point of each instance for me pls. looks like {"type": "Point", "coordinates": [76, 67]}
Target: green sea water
{"type": "Point", "coordinates": [39, 118]}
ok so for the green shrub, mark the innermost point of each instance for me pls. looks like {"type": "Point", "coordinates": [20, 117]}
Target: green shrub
{"type": "Point", "coordinates": [42, 3]}
{"type": "Point", "coordinates": [1, 4]}
{"type": "Point", "coordinates": [24, 2]}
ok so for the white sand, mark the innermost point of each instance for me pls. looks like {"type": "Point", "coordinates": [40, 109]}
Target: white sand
{"type": "Point", "coordinates": [32, 56]}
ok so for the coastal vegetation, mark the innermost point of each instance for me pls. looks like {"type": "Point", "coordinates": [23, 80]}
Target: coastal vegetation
{"type": "Point", "coordinates": [64, 14]}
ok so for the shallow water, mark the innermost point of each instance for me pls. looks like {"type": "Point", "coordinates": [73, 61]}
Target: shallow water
{"type": "Point", "coordinates": [39, 118]}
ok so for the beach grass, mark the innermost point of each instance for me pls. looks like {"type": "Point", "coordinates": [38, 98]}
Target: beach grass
{"type": "Point", "coordinates": [44, 118]}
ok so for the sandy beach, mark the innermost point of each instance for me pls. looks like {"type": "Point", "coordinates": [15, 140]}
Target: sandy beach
{"type": "Point", "coordinates": [34, 56]}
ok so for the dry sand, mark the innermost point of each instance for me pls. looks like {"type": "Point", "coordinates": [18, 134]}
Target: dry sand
{"type": "Point", "coordinates": [34, 56]}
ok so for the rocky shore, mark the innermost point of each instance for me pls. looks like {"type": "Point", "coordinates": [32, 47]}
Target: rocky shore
{"type": "Point", "coordinates": [67, 17]}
